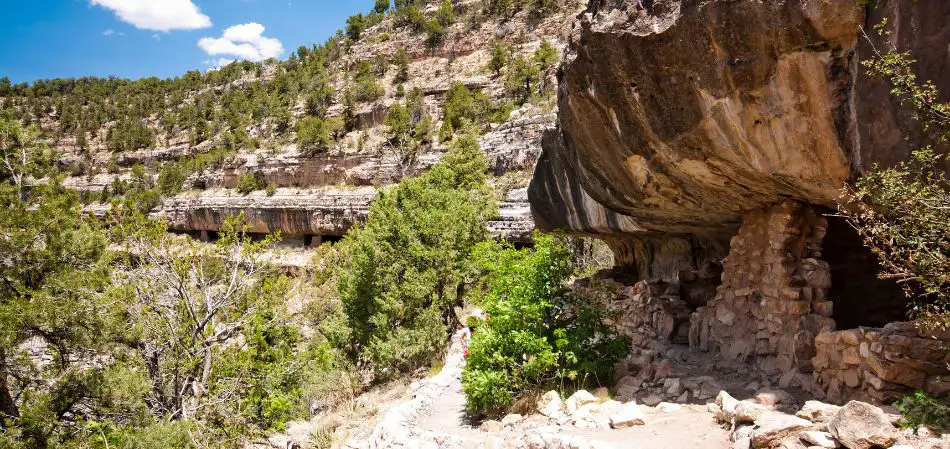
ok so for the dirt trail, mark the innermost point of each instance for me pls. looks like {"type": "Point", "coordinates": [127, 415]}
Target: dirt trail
{"type": "Point", "coordinates": [434, 416]}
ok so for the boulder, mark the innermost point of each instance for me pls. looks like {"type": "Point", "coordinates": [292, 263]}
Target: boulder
{"type": "Point", "coordinates": [663, 370]}
{"type": "Point", "coordinates": [652, 400]}
{"type": "Point", "coordinates": [512, 419]}
{"type": "Point", "coordinates": [859, 425]}
{"type": "Point", "coordinates": [820, 439]}
{"type": "Point", "coordinates": [749, 412]}
{"type": "Point", "coordinates": [773, 428]}
{"type": "Point", "coordinates": [726, 407]}
{"type": "Point", "coordinates": [578, 399]}
{"type": "Point", "coordinates": [674, 387]}
{"type": "Point", "coordinates": [491, 426]}
{"type": "Point", "coordinates": [817, 411]}
{"type": "Point", "coordinates": [769, 396]}
{"type": "Point", "coordinates": [628, 416]}
{"type": "Point", "coordinates": [742, 443]}
{"type": "Point", "coordinates": [550, 405]}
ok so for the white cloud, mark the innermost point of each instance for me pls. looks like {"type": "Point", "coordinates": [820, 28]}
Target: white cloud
{"type": "Point", "coordinates": [157, 37]}
{"type": "Point", "coordinates": [108, 32]}
{"type": "Point", "coordinates": [245, 41]}
{"type": "Point", "coordinates": [157, 15]}
{"type": "Point", "coordinates": [218, 63]}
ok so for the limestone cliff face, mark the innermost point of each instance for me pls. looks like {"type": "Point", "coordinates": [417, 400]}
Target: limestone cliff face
{"type": "Point", "coordinates": [676, 117]}
{"type": "Point", "coordinates": [705, 141]}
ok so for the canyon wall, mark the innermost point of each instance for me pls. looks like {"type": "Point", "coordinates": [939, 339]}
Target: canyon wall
{"type": "Point", "coordinates": [698, 134]}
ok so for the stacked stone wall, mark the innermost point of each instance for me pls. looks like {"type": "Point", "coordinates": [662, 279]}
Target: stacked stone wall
{"type": "Point", "coordinates": [773, 299]}
{"type": "Point", "coordinates": [880, 364]}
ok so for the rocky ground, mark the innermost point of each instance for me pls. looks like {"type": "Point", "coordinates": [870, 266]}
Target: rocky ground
{"type": "Point", "coordinates": [432, 415]}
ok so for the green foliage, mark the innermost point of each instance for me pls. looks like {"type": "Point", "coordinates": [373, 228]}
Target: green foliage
{"type": "Point", "coordinates": [366, 87]}
{"type": "Point", "coordinates": [407, 268]}
{"type": "Point", "coordinates": [437, 27]}
{"type": "Point", "coordinates": [411, 16]}
{"type": "Point", "coordinates": [402, 66]}
{"type": "Point", "coordinates": [129, 135]}
{"type": "Point", "coordinates": [251, 181]}
{"type": "Point", "coordinates": [537, 333]}
{"type": "Point", "coordinates": [187, 307]}
{"type": "Point", "coordinates": [54, 266]}
{"type": "Point", "coordinates": [521, 78]}
{"type": "Point", "coordinates": [922, 410]}
{"type": "Point", "coordinates": [354, 26]}
{"type": "Point", "coordinates": [461, 105]}
{"type": "Point", "coordinates": [545, 56]}
{"type": "Point", "coordinates": [508, 8]}
{"type": "Point", "coordinates": [409, 128]}
{"type": "Point", "coordinates": [381, 6]}
{"type": "Point", "coordinates": [171, 178]}
{"type": "Point", "coordinates": [313, 135]}
{"type": "Point", "coordinates": [903, 212]}
{"type": "Point", "coordinates": [500, 54]}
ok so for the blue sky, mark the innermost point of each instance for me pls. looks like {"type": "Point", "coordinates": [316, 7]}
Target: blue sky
{"type": "Point", "coordinates": [140, 38]}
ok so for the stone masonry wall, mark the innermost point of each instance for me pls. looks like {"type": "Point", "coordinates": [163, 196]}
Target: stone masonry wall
{"type": "Point", "coordinates": [880, 364]}
{"type": "Point", "coordinates": [651, 314]}
{"type": "Point", "coordinates": [773, 298]}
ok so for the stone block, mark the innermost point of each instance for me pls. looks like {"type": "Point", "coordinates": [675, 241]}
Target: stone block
{"type": "Point", "coordinates": [850, 356]}
{"type": "Point", "coordinates": [823, 308]}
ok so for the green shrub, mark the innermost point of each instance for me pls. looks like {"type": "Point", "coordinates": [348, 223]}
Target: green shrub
{"type": "Point", "coordinates": [402, 66]}
{"type": "Point", "coordinates": [923, 410]}
{"type": "Point", "coordinates": [171, 178]}
{"type": "Point", "coordinates": [461, 105]}
{"type": "Point", "coordinates": [437, 27]}
{"type": "Point", "coordinates": [500, 54]}
{"type": "Point", "coordinates": [903, 212]}
{"type": "Point", "coordinates": [365, 84]}
{"type": "Point", "coordinates": [313, 135]}
{"type": "Point", "coordinates": [407, 268]}
{"type": "Point", "coordinates": [249, 182]}
{"type": "Point", "coordinates": [537, 334]}
{"type": "Point", "coordinates": [410, 16]}
{"type": "Point", "coordinates": [381, 6]}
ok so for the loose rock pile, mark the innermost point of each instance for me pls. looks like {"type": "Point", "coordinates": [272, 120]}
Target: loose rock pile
{"type": "Point", "coordinates": [857, 425]}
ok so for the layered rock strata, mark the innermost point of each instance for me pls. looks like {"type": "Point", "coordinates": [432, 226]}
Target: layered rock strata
{"type": "Point", "coordinates": [696, 132]}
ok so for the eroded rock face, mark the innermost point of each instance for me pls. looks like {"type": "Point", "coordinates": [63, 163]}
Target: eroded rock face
{"type": "Point", "coordinates": [681, 116]}
{"type": "Point", "coordinates": [692, 132]}
{"type": "Point", "coordinates": [676, 117]}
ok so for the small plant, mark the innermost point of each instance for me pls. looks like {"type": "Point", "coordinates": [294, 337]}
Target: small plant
{"type": "Point", "coordinates": [923, 410]}
{"type": "Point", "coordinates": [249, 182]}
{"type": "Point", "coordinates": [537, 334]}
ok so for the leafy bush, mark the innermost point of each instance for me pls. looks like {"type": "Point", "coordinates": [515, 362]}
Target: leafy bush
{"type": "Point", "coordinates": [500, 54]}
{"type": "Point", "coordinates": [437, 27]}
{"type": "Point", "coordinates": [903, 212]}
{"type": "Point", "coordinates": [407, 268]}
{"type": "Point", "coordinates": [410, 16]}
{"type": "Point", "coordinates": [251, 181]}
{"type": "Point", "coordinates": [537, 333]}
{"type": "Point", "coordinates": [923, 410]}
{"type": "Point", "coordinates": [313, 135]}
{"type": "Point", "coordinates": [461, 105]}
{"type": "Point", "coordinates": [903, 215]}
{"type": "Point", "coordinates": [402, 66]}
{"type": "Point", "coordinates": [171, 178]}
{"type": "Point", "coordinates": [365, 85]}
